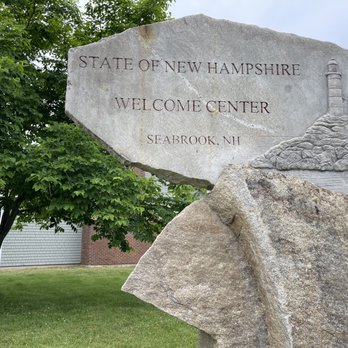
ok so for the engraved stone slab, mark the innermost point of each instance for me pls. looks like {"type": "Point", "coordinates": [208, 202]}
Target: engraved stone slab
{"type": "Point", "coordinates": [187, 97]}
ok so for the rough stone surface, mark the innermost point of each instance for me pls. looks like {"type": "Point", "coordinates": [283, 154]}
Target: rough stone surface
{"type": "Point", "coordinates": [262, 261]}
{"type": "Point", "coordinates": [185, 98]}
{"type": "Point", "coordinates": [323, 147]}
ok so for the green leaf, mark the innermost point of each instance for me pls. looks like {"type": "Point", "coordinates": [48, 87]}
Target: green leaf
{"type": "Point", "coordinates": [51, 170]}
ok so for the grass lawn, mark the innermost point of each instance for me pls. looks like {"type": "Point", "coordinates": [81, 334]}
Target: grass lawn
{"type": "Point", "coordinates": [82, 307]}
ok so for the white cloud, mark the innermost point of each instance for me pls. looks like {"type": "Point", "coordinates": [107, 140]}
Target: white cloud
{"type": "Point", "coordinates": [325, 20]}
{"type": "Point", "coordinates": [318, 19]}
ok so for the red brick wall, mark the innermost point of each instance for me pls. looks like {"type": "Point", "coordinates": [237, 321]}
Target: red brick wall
{"type": "Point", "coordinates": [98, 252]}
{"type": "Point", "coordinates": [139, 171]}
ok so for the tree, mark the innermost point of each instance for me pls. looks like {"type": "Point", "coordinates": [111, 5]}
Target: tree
{"type": "Point", "coordinates": [107, 17]}
{"type": "Point", "coordinates": [50, 170]}
{"type": "Point", "coordinates": [22, 98]}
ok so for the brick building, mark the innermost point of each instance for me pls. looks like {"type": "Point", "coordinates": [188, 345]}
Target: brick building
{"type": "Point", "coordinates": [32, 247]}
{"type": "Point", "coordinates": [98, 252]}
{"type": "Point", "coordinates": [35, 247]}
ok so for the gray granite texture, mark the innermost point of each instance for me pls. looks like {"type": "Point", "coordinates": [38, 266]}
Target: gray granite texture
{"type": "Point", "coordinates": [323, 147]}
{"type": "Point", "coordinates": [185, 98]}
{"type": "Point", "coordinates": [262, 261]}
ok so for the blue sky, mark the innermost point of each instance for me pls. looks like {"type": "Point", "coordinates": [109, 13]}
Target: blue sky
{"type": "Point", "coordinates": [318, 19]}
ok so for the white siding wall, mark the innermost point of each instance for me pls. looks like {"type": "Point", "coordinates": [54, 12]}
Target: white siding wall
{"type": "Point", "coordinates": [33, 246]}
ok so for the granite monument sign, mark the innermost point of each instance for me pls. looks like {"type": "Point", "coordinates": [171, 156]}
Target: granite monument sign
{"type": "Point", "coordinates": [262, 260]}
{"type": "Point", "coordinates": [187, 97]}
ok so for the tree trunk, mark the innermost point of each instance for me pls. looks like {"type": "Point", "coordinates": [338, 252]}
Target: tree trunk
{"type": "Point", "coordinates": [6, 224]}
{"type": "Point", "coordinates": [2, 238]}
{"type": "Point", "coordinates": [8, 218]}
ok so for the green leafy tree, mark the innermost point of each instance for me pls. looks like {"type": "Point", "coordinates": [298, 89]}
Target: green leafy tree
{"type": "Point", "coordinates": [107, 17]}
{"type": "Point", "coordinates": [50, 170]}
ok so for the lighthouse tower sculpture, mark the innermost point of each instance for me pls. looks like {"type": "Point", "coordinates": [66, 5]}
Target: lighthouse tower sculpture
{"type": "Point", "coordinates": [334, 83]}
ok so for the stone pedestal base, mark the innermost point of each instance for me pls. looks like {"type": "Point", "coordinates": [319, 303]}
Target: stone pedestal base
{"type": "Point", "coordinates": [260, 262]}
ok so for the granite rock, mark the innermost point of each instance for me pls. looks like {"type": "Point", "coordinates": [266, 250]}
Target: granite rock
{"type": "Point", "coordinates": [184, 98]}
{"type": "Point", "coordinates": [262, 261]}
{"type": "Point", "coordinates": [323, 147]}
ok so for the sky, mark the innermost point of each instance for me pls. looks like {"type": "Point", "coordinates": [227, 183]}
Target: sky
{"type": "Point", "coordinates": [325, 20]}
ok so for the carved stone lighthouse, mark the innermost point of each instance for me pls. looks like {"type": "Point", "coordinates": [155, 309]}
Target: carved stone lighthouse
{"type": "Point", "coordinates": [334, 83]}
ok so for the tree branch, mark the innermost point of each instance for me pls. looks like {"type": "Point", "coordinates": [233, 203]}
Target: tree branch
{"type": "Point", "coordinates": [31, 14]}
